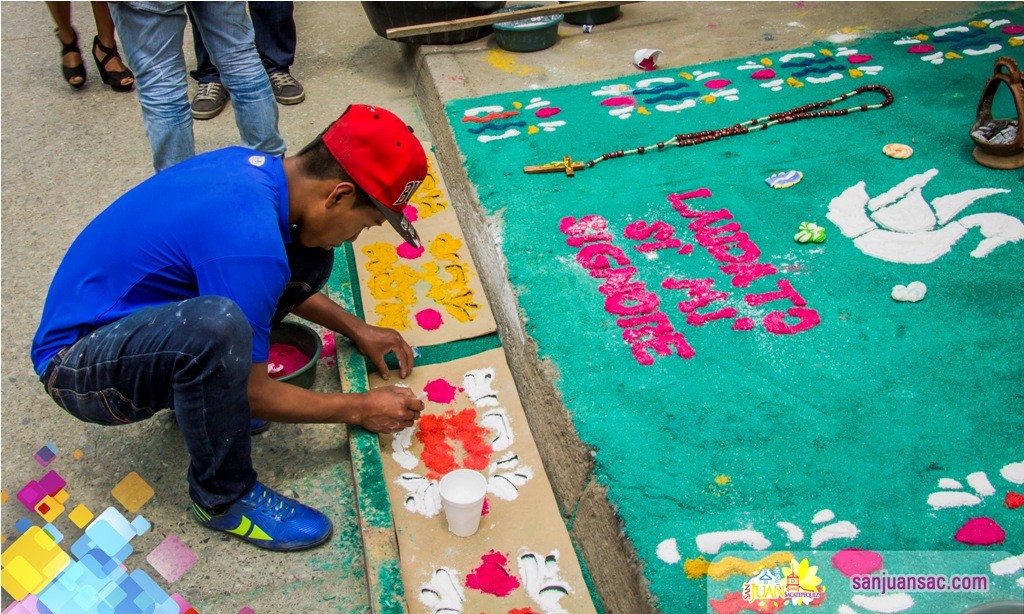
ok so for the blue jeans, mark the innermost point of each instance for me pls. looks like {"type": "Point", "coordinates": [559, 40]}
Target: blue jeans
{"type": "Point", "coordinates": [152, 34]}
{"type": "Point", "coordinates": [193, 356]}
{"type": "Point", "coordinates": [276, 39]}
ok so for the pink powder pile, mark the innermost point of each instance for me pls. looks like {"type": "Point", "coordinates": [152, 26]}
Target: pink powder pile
{"type": "Point", "coordinates": [856, 562]}
{"type": "Point", "coordinates": [491, 577]}
{"type": "Point", "coordinates": [981, 531]}
{"type": "Point", "coordinates": [288, 356]}
{"type": "Point", "coordinates": [429, 319]}
{"type": "Point", "coordinates": [409, 252]}
{"type": "Point", "coordinates": [440, 391]}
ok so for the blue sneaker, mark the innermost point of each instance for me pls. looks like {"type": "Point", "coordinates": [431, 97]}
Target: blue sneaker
{"type": "Point", "coordinates": [266, 519]}
{"type": "Point", "coordinates": [258, 426]}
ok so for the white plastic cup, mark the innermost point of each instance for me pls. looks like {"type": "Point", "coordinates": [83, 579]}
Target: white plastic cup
{"type": "Point", "coordinates": [462, 497]}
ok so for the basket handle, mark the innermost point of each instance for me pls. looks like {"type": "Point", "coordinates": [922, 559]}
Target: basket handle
{"type": "Point", "coordinates": [1011, 68]}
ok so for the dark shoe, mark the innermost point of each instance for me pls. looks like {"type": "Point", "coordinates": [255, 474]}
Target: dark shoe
{"type": "Point", "coordinates": [266, 519]}
{"type": "Point", "coordinates": [287, 89]}
{"type": "Point", "coordinates": [258, 426]}
{"type": "Point", "coordinates": [210, 100]}
{"type": "Point", "coordinates": [113, 78]}
{"type": "Point", "coordinates": [74, 71]}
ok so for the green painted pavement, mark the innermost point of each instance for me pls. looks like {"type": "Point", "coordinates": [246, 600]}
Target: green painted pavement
{"type": "Point", "coordinates": [863, 412]}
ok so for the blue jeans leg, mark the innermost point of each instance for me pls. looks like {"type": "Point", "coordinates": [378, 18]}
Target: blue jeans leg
{"type": "Point", "coordinates": [276, 39]}
{"type": "Point", "coordinates": [229, 38]}
{"type": "Point", "coordinates": [151, 36]}
{"type": "Point", "coordinates": [193, 356]}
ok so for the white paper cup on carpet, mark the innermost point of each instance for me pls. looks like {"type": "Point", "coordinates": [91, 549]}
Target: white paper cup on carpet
{"type": "Point", "coordinates": [462, 496]}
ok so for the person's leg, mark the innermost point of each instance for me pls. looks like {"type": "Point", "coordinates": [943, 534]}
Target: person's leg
{"type": "Point", "coordinates": [275, 40]}
{"type": "Point", "coordinates": [192, 356]}
{"type": "Point", "coordinates": [228, 35]}
{"type": "Point", "coordinates": [205, 71]}
{"type": "Point", "coordinates": [105, 34]}
{"type": "Point", "coordinates": [211, 95]}
{"type": "Point", "coordinates": [71, 55]}
{"type": "Point", "coordinates": [274, 26]}
{"type": "Point", "coordinates": [152, 36]}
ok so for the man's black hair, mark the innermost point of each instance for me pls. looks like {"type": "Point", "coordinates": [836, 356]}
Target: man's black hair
{"type": "Point", "coordinates": [317, 162]}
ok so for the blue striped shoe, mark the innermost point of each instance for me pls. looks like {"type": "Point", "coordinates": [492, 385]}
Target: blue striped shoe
{"type": "Point", "coordinates": [266, 519]}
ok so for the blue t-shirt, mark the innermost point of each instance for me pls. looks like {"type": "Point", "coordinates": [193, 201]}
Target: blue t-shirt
{"type": "Point", "coordinates": [216, 224]}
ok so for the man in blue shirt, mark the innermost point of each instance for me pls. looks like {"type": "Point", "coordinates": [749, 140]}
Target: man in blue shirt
{"type": "Point", "coordinates": [167, 298]}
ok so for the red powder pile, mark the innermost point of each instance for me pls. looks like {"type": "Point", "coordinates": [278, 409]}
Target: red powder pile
{"type": "Point", "coordinates": [288, 356]}
{"type": "Point", "coordinates": [491, 577]}
{"type": "Point", "coordinates": [435, 433]}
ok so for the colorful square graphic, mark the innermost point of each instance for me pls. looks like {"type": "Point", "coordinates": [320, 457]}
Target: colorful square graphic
{"type": "Point", "coordinates": [31, 563]}
{"type": "Point", "coordinates": [80, 516]}
{"type": "Point", "coordinates": [172, 558]}
{"type": "Point", "coordinates": [132, 492]}
{"type": "Point", "coordinates": [46, 454]}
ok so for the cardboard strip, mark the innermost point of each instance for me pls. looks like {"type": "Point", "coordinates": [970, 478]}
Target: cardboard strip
{"type": "Point", "coordinates": [432, 295]}
{"type": "Point", "coordinates": [522, 556]}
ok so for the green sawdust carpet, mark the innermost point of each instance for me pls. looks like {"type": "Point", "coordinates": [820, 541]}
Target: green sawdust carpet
{"type": "Point", "coordinates": [730, 378]}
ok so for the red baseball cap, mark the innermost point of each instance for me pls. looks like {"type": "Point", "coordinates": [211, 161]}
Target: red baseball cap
{"type": "Point", "coordinates": [383, 157]}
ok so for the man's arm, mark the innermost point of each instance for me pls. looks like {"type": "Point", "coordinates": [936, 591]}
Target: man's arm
{"type": "Point", "coordinates": [388, 409]}
{"type": "Point", "coordinates": [373, 342]}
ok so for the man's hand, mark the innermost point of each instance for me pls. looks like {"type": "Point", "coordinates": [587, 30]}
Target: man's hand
{"type": "Point", "coordinates": [375, 342]}
{"type": "Point", "coordinates": [388, 409]}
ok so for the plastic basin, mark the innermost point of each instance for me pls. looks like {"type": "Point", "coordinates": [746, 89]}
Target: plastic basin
{"type": "Point", "coordinates": [529, 34]}
{"type": "Point", "coordinates": [306, 341]}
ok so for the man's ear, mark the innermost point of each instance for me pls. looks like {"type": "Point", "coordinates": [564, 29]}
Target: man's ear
{"type": "Point", "coordinates": [339, 192]}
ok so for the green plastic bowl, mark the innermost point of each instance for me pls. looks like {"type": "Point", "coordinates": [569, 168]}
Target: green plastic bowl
{"type": "Point", "coordinates": [307, 341]}
{"type": "Point", "coordinates": [530, 34]}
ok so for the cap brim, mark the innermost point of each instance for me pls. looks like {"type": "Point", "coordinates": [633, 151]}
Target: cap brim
{"type": "Point", "coordinates": [399, 222]}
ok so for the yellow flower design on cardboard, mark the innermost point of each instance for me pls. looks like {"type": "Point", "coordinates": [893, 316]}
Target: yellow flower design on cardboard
{"type": "Point", "coordinates": [394, 285]}
{"type": "Point", "coordinates": [809, 580]}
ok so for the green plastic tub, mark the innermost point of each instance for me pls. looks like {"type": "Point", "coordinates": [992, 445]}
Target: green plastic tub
{"type": "Point", "coordinates": [529, 34]}
{"type": "Point", "coordinates": [307, 341]}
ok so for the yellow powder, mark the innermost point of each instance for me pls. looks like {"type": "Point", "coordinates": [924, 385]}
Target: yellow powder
{"type": "Point", "coordinates": [696, 568]}
{"type": "Point", "coordinates": [731, 566]}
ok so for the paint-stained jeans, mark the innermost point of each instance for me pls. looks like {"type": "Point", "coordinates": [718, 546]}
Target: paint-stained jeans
{"type": "Point", "coordinates": [193, 356]}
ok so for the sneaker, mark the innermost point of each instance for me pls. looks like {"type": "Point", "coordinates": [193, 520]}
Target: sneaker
{"type": "Point", "coordinates": [210, 100]}
{"type": "Point", "coordinates": [258, 426]}
{"type": "Point", "coordinates": [286, 89]}
{"type": "Point", "coordinates": [266, 519]}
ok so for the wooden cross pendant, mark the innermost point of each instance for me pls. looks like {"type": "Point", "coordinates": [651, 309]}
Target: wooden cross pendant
{"type": "Point", "coordinates": [566, 164]}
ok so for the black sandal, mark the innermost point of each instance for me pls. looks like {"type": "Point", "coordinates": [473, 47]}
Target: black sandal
{"type": "Point", "coordinates": [76, 71]}
{"type": "Point", "coordinates": [113, 78]}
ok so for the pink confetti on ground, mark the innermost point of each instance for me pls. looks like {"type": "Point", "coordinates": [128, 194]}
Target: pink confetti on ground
{"type": "Point", "coordinates": [288, 356]}
{"type": "Point", "coordinates": [618, 101]}
{"type": "Point", "coordinates": [491, 577]}
{"type": "Point", "coordinates": [411, 213]}
{"type": "Point", "coordinates": [171, 558]}
{"type": "Point", "coordinates": [547, 112]}
{"type": "Point", "coordinates": [920, 49]}
{"type": "Point", "coordinates": [409, 252]}
{"type": "Point", "coordinates": [440, 391]}
{"type": "Point", "coordinates": [981, 531]}
{"type": "Point", "coordinates": [858, 58]}
{"type": "Point", "coordinates": [717, 84]}
{"type": "Point", "coordinates": [1013, 30]}
{"type": "Point", "coordinates": [429, 319]}
{"type": "Point", "coordinates": [743, 324]}
{"type": "Point", "coordinates": [856, 562]}
{"type": "Point", "coordinates": [764, 73]}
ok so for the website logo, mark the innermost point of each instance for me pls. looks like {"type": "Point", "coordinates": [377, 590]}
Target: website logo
{"type": "Point", "coordinates": [797, 583]}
